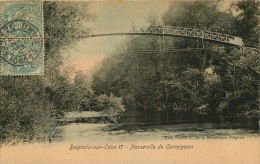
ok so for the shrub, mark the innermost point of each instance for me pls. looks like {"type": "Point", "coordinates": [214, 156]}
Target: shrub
{"type": "Point", "coordinates": [111, 106]}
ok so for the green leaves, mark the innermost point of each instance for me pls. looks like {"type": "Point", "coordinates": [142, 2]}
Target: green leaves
{"type": "Point", "coordinates": [247, 21]}
{"type": "Point", "coordinates": [226, 79]}
{"type": "Point", "coordinates": [29, 105]}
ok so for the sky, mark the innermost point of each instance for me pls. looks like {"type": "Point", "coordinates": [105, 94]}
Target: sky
{"type": "Point", "coordinates": [89, 52]}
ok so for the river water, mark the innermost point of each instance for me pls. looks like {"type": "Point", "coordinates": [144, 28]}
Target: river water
{"type": "Point", "coordinates": [99, 137]}
{"type": "Point", "coordinates": [111, 133]}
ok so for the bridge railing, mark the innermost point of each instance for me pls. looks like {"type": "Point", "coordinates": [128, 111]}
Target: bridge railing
{"type": "Point", "coordinates": [168, 31]}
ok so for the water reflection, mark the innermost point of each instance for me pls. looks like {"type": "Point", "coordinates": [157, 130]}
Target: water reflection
{"type": "Point", "coordinates": [110, 133]}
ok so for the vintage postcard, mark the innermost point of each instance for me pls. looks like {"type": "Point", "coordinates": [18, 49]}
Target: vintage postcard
{"type": "Point", "coordinates": [169, 82]}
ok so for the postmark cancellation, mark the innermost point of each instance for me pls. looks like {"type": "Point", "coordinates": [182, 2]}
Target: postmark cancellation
{"type": "Point", "coordinates": [21, 38]}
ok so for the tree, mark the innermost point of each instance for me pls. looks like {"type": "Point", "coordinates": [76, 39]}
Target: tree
{"type": "Point", "coordinates": [246, 23]}
{"type": "Point", "coordinates": [170, 85]}
{"type": "Point", "coordinates": [81, 95]}
{"type": "Point", "coordinates": [29, 104]}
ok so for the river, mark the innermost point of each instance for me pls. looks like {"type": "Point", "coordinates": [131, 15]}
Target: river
{"type": "Point", "coordinates": [96, 138]}
{"type": "Point", "coordinates": [111, 133]}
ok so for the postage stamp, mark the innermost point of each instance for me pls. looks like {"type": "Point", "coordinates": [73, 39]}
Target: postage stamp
{"type": "Point", "coordinates": [21, 38]}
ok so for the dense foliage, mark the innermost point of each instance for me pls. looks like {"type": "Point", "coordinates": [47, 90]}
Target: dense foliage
{"type": "Point", "coordinates": [29, 105]}
{"type": "Point", "coordinates": [166, 86]}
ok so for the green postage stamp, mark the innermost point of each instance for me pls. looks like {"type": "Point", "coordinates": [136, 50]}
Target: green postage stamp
{"type": "Point", "coordinates": [21, 38]}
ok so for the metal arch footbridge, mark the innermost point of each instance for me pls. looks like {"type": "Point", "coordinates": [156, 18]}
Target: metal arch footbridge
{"type": "Point", "coordinates": [175, 31]}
